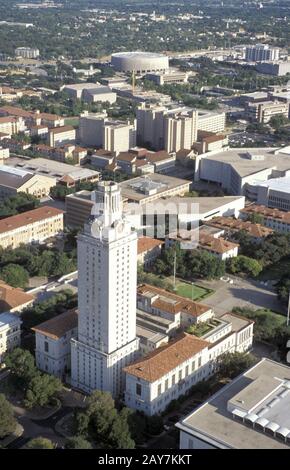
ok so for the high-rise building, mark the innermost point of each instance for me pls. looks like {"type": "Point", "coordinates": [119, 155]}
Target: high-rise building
{"type": "Point", "coordinates": [166, 129]}
{"type": "Point", "coordinates": [98, 130]}
{"type": "Point", "coordinates": [107, 265]}
{"type": "Point", "coordinates": [261, 52]}
{"type": "Point", "coordinates": [180, 131]}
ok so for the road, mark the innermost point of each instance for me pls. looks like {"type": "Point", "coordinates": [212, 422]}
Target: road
{"type": "Point", "coordinates": [44, 293]}
{"type": "Point", "coordinates": [242, 293]}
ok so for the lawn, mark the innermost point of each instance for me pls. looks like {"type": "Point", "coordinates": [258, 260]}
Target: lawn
{"type": "Point", "coordinates": [276, 271]}
{"type": "Point", "coordinates": [73, 121]}
{"type": "Point", "coordinates": [190, 291]}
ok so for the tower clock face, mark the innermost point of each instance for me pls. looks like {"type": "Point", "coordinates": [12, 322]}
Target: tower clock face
{"type": "Point", "coordinates": [96, 227]}
{"type": "Point", "coordinates": [120, 226]}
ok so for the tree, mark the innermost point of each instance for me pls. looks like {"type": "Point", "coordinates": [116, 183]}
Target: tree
{"type": "Point", "coordinates": [244, 265]}
{"type": "Point", "coordinates": [7, 420]}
{"type": "Point", "coordinates": [40, 443]}
{"type": "Point", "coordinates": [103, 424]}
{"type": "Point", "coordinates": [269, 327]}
{"type": "Point", "coordinates": [283, 289]}
{"type": "Point", "coordinates": [232, 364]}
{"type": "Point", "coordinates": [77, 442]}
{"type": "Point", "coordinates": [119, 436]}
{"type": "Point", "coordinates": [102, 412]}
{"type": "Point", "coordinates": [279, 120]}
{"type": "Point", "coordinates": [22, 366]}
{"type": "Point", "coordinates": [256, 218]}
{"type": "Point", "coordinates": [81, 423]}
{"type": "Point", "coordinates": [21, 202]}
{"type": "Point", "coordinates": [41, 388]}
{"type": "Point", "coordinates": [15, 275]}
{"type": "Point", "coordinates": [154, 424]}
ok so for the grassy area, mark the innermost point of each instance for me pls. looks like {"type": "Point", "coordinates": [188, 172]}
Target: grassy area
{"type": "Point", "coordinates": [203, 328]}
{"type": "Point", "coordinates": [276, 271]}
{"type": "Point", "coordinates": [192, 291]}
{"type": "Point", "coordinates": [73, 121]}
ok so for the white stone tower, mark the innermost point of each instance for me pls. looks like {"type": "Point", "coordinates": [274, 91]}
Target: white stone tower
{"type": "Point", "coordinates": [107, 278]}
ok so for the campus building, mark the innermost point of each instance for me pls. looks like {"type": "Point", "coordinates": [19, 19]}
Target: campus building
{"type": "Point", "coordinates": [250, 412]}
{"type": "Point", "coordinates": [107, 266]}
{"type": "Point", "coordinates": [30, 226]}
{"type": "Point", "coordinates": [52, 343]}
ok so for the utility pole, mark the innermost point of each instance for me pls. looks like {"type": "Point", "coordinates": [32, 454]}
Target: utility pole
{"type": "Point", "coordinates": [288, 310]}
{"type": "Point", "coordinates": [133, 83]}
{"type": "Point", "coordinates": [174, 271]}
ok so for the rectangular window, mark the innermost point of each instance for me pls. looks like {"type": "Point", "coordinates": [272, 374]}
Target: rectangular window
{"type": "Point", "coordinates": [138, 389]}
{"type": "Point", "coordinates": [166, 384]}
{"type": "Point", "coordinates": [173, 379]}
{"type": "Point", "coordinates": [46, 348]}
{"type": "Point", "coordinates": [199, 361]}
{"type": "Point", "coordinates": [180, 375]}
{"type": "Point", "coordinates": [193, 366]}
{"type": "Point", "coordinates": [159, 389]}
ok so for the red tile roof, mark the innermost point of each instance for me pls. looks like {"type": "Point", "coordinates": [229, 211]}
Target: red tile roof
{"type": "Point", "coordinates": [29, 217]}
{"type": "Point", "coordinates": [166, 358]}
{"type": "Point", "coordinates": [147, 243]}
{"type": "Point", "coordinates": [58, 326]}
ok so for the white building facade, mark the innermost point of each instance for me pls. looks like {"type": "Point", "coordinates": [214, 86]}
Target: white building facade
{"type": "Point", "coordinates": [10, 333]}
{"type": "Point", "coordinates": [52, 344]}
{"type": "Point", "coordinates": [107, 264]}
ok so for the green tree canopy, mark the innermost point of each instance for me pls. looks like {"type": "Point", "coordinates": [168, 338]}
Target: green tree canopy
{"type": "Point", "coordinates": [232, 364]}
{"type": "Point", "coordinates": [41, 388]}
{"type": "Point", "coordinates": [40, 443]}
{"type": "Point", "coordinates": [244, 265]}
{"type": "Point", "coordinates": [15, 275]}
{"type": "Point", "coordinates": [7, 420]}
{"type": "Point", "coordinates": [22, 365]}
{"type": "Point", "coordinates": [77, 442]}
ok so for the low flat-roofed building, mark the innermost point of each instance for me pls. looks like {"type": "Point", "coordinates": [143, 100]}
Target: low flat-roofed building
{"type": "Point", "coordinates": [237, 169]}
{"type": "Point", "coordinates": [16, 180]}
{"type": "Point", "coordinates": [274, 193]}
{"type": "Point", "coordinates": [10, 333]}
{"type": "Point", "coordinates": [251, 412]}
{"type": "Point", "coordinates": [145, 189]}
{"type": "Point", "coordinates": [62, 173]}
{"type": "Point", "coordinates": [4, 153]}
{"type": "Point", "coordinates": [59, 136]}
{"type": "Point", "coordinates": [273, 218]}
{"type": "Point", "coordinates": [211, 121]}
{"type": "Point", "coordinates": [148, 250]}
{"type": "Point", "coordinates": [78, 207]}
{"type": "Point", "coordinates": [189, 210]}
{"type": "Point", "coordinates": [13, 299]}
{"type": "Point", "coordinates": [209, 141]}
{"type": "Point", "coordinates": [75, 90]}
{"type": "Point", "coordinates": [231, 225]}
{"type": "Point", "coordinates": [150, 339]}
{"type": "Point", "coordinates": [31, 226]}
{"type": "Point", "coordinates": [100, 93]}
{"type": "Point", "coordinates": [243, 328]}
{"type": "Point", "coordinates": [52, 339]}
{"type": "Point", "coordinates": [162, 78]}
{"type": "Point", "coordinates": [262, 112]}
